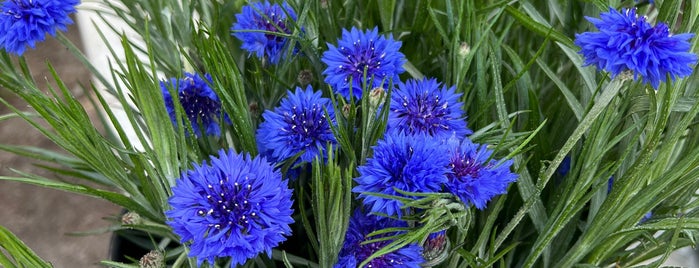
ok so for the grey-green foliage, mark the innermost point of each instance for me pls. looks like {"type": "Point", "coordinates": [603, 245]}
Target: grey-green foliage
{"type": "Point", "coordinates": [525, 91]}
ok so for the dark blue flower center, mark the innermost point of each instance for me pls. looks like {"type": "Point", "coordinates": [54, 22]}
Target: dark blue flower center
{"type": "Point", "coordinates": [198, 106]}
{"type": "Point", "coordinates": [229, 206]}
{"type": "Point", "coordinates": [424, 114]}
{"type": "Point", "coordinates": [360, 59]}
{"type": "Point", "coordinates": [463, 166]}
{"type": "Point", "coordinates": [306, 126]}
{"type": "Point", "coordinates": [273, 22]}
{"type": "Point", "coordinates": [21, 9]}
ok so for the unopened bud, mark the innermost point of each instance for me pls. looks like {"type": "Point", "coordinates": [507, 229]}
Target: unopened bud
{"type": "Point", "coordinates": [305, 77]}
{"type": "Point", "coordinates": [153, 259]}
{"type": "Point", "coordinates": [346, 110]}
{"type": "Point", "coordinates": [254, 108]}
{"type": "Point", "coordinates": [435, 249]}
{"type": "Point", "coordinates": [626, 75]}
{"type": "Point", "coordinates": [131, 218]}
{"type": "Point", "coordinates": [376, 96]}
{"type": "Point", "coordinates": [464, 49]}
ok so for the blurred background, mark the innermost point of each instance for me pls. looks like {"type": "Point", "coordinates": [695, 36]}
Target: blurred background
{"type": "Point", "coordinates": [43, 218]}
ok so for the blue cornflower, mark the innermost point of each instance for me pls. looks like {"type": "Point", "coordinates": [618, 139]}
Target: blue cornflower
{"type": "Point", "coordinates": [411, 163]}
{"type": "Point", "coordinates": [425, 106]}
{"type": "Point", "coordinates": [353, 252]}
{"type": "Point", "coordinates": [25, 22]}
{"type": "Point", "coordinates": [627, 42]}
{"type": "Point", "coordinates": [235, 207]}
{"type": "Point", "coordinates": [564, 167]}
{"type": "Point", "coordinates": [357, 51]}
{"type": "Point", "coordinates": [298, 125]}
{"type": "Point", "coordinates": [646, 217]}
{"type": "Point", "coordinates": [474, 177]}
{"type": "Point", "coordinates": [263, 16]}
{"type": "Point", "coordinates": [198, 100]}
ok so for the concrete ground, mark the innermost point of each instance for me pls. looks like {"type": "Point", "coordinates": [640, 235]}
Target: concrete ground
{"type": "Point", "coordinates": [41, 217]}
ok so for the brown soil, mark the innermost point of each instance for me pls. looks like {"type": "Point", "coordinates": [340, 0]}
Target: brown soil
{"type": "Point", "coordinates": [41, 217]}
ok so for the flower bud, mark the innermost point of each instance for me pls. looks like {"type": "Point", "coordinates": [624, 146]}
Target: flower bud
{"type": "Point", "coordinates": [131, 218]}
{"type": "Point", "coordinates": [435, 249]}
{"type": "Point", "coordinates": [305, 77]}
{"type": "Point", "coordinates": [464, 49]}
{"type": "Point", "coordinates": [153, 259]}
{"type": "Point", "coordinates": [376, 97]}
{"type": "Point", "coordinates": [346, 110]}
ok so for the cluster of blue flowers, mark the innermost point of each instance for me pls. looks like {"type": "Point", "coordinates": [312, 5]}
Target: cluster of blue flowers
{"type": "Point", "coordinates": [417, 153]}
{"type": "Point", "coordinates": [239, 206]}
{"type": "Point", "coordinates": [627, 42]}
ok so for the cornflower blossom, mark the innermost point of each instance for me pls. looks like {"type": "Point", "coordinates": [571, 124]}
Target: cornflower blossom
{"type": "Point", "coordinates": [353, 252]}
{"type": "Point", "coordinates": [627, 42]}
{"type": "Point", "coordinates": [263, 16]}
{"type": "Point", "coordinates": [428, 107]}
{"type": "Point", "coordinates": [199, 102]}
{"type": "Point", "coordinates": [475, 178]}
{"type": "Point", "coordinates": [237, 207]}
{"type": "Point", "coordinates": [298, 124]}
{"type": "Point", "coordinates": [411, 163]}
{"type": "Point", "coordinates": [23, 23]}
{"type": "Point", "coordinates": [361, 54]}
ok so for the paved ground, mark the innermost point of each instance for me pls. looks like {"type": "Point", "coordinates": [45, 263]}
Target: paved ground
{"type": "Point", "coordinates": [43, 217]}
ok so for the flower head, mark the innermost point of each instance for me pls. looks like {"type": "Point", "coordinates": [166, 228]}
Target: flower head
{"type": "Point", "coordinates": [25, 22]}
{"type": "Point", "coordinates": [263, 16]}
{"type": "Point", "coordinates": [237, 206]}
{"type": "Point", "coordinates": [353, 252]}
{"type": "Point", "coordinates": [424, 106]}
{"type": "Point", "coordinates": [474, 178]}
{"type": "Point", "coordinates": [411, 163]}
{"type": "Point", "coordinates": [356, 52]}
{"type": "Point", "coordinates": [298, 125]}
{"type": "Point", "coordinates": [198, 100]}
{"type": "Point", "coordinates": [435, 249]}
{"type": "Point", "coordinates": [627, 42]}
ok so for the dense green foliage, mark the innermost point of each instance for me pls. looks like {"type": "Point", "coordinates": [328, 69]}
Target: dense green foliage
{"type": "Point", "coordinates": [525, 93]}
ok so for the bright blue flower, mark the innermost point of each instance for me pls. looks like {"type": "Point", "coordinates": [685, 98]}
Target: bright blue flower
{"type": "Point", "coordinates": [474, 177]}
{"type": "Point", "coordinates": [627, 42]}
{"type": "Point", "coordinates": [298, 125]}
{"type": "Point", "coordinates": [646, 217]}
{"type": "Point", "coordinates": [25, 22]}
{"type": "Point", "coordinates": [235, 207]}
{"type": "Point", "coordinates": [353, 252]}
{"type": "Point", "coordinates": [268, 17]}
{"type": "Point", "coordinates": [357, 51]}
{"type": "Point", "coordinates": [425, 106]}
{"type": "Point", "coordinates": [198, 101]}
{"type": "Point", "coordinates": [411, 163]}
{"type": "Point", "coordinates": [564, 167]}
